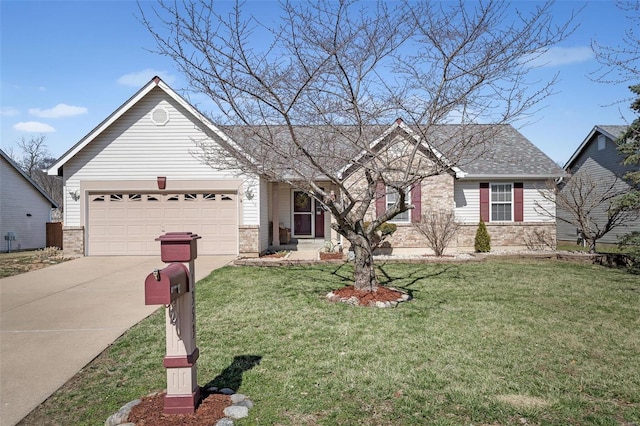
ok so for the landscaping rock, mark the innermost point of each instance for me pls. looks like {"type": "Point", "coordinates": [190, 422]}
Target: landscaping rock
{"type": "Point", "coordinates": [123, 413]}
{"type": "Point", "coordinates": [246, 403]}
{"type": "Point", "coordinates": [227, 391]}
{"type": "Point", "coordinates": [237, 397]}
{"type": "Point", "coordinates": [224, 422]}
{"type": "Point", "coordinates": [236, 412]}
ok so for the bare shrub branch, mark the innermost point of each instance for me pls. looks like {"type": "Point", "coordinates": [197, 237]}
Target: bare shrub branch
{"type": "Point", "coordinates": [439, 227]}
{"type": "Point", "coordinates": [588, 204]}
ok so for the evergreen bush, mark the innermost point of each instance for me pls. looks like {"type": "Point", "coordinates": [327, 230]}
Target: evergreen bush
{"type": "Point", "coordinates": [483, 240]}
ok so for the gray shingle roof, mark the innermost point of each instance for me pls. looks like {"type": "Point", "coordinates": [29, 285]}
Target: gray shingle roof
{"type": "Point", "coordinates": [614, 130]}
{"type": "Point", "coordinates": [504, 152]}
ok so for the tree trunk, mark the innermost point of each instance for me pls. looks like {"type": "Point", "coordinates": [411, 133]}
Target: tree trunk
{"type": "Point", "coordinates": [364, 270]}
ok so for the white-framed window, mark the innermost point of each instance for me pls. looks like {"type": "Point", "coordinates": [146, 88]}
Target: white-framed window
{"type": "Point", "coordinates": [501, 202]}
{"type": "Point", "coordinates": [392, 198]}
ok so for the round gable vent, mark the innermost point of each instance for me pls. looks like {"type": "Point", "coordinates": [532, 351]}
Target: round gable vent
{"type": "Point", "coordinates": [160, 116]}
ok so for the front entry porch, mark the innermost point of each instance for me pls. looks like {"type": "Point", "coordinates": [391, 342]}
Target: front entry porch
{"type": "Point", "coordinates": [302, 244]}
{"type": "Point", "coordinates": [297, 221]}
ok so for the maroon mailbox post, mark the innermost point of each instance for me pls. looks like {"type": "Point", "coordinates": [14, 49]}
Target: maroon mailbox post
{"type": "Point", "coordinates": [174, 287]}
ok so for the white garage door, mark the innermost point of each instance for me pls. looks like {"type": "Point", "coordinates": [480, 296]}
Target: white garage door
{"type": "Point", "coordinates": [129, 223]}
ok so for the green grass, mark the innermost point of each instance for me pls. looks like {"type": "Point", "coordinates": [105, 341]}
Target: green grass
{"type": "Point", "coordinates": [496, 343]}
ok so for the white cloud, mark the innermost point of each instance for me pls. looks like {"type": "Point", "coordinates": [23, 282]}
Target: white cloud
{"type": "Point", "coordinates": [33, 126]}
{"type": "Point", "coordinates": [140, 78]}
{"type": "Point", "coordinates": [58, 111]}
{"type": "Point", "coordinates": [557, 56]}
{"type": "Point", "coordinates": [9, 112]}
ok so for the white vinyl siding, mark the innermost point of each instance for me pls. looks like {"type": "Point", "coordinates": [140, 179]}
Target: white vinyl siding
{"type": "Point", "coordinates": [264, 214]}
{"type": "Point", "coordinates": [251, 207]}
{"type": "Point", "coordinates": [134, 148]}
{"type": "Point", "coordinates": [467, 201]}
{"type": "Point", "coordinates": [466, 196]}
{"type": "Point", "coordinates": [532, 197]}
{"type": "Point", "coordinates": [19, 198]}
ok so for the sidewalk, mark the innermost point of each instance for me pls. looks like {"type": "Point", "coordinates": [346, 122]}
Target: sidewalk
{"type": "Point", "coordinates": [54, 321]}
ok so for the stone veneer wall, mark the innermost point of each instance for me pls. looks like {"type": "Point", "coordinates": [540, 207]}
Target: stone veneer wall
{"type": "Point", "coordinates": [73, 240]}
{"type": "Point", "coordinates": [504, 236]}
{"type": "Point", "coordinates": [249, 240]}
{"type": "Point", "coordinates": [508, 235]}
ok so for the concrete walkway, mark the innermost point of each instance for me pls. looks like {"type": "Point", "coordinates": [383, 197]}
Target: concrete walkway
{"type": "Point", "coordinates": [56, 320]}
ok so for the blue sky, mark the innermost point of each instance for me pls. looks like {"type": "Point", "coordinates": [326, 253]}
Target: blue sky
{"type": "Point", "coordinates": [67, 65]}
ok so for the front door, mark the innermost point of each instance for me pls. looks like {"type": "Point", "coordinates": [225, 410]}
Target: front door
{"type": "Point", "coordinates": [302, 214]}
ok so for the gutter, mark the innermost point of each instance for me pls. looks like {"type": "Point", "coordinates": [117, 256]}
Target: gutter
{"type": "Point", "coordinates": [510, 177]}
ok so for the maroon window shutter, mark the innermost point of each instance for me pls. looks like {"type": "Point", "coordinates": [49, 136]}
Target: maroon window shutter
{"type": "Point", "coordinates": [484, 201]}
{"type": "Point", "coordinates": [518, 202]}
{"type": "Point", "coordinates": [416, 200]}
{"type": "Point", "coordinates": [381, 198]}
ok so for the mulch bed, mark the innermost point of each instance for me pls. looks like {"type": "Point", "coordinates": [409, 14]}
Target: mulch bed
{"type": "Point", "coordinates": [150, 412]}
{"type": "Point", "coordinates": [368, 298]}
{"type": "Point", "coordinates": [331, 256]}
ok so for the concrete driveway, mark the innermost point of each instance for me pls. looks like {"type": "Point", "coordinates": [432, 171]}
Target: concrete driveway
{"type": "Point", "coordinates": [54, 321]}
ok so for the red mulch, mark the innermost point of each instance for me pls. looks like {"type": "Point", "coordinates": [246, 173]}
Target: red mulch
{"type": "Point", "coordinates": [330, 256]}
{"type": "Point", "coordinates": [368, 298]}
{"type": "Point", "coordinates": [150, 412]}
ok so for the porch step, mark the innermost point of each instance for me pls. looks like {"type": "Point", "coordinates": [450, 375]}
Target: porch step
{"type": "Point", "coordinates": [311, 244]}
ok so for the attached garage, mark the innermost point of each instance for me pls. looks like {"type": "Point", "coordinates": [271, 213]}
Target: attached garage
{"type": "Point", "coordinates": [127, 223]}
{"type": "Point", "coordinates": [157, 165]}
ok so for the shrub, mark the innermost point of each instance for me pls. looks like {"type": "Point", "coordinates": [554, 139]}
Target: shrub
{"type": "Point", "coordinates": [539, 239]}
{"type": "Point", "coordinates": [438, 227]}
{"type": "Point", "coordinates": [483, 240]}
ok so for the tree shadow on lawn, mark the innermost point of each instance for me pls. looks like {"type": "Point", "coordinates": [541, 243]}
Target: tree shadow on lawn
{"type": "Point", "coordinates": [405, 282]}
{"type": "Point", "coordinates": [231, 376]}
{"type": "Point", "coordinates": [343, 274]}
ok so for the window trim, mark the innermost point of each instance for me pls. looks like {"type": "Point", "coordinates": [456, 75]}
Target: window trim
{"type": "Point", "coordinates": [389, 190]}
{"type": "Point", "coordinates": [491, 202]}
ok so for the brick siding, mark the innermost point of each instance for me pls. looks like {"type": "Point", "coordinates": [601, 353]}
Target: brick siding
{"type": "Point", "coordinates": [249, 236]}
{"type": "Point", "coordinates": [73, 240]}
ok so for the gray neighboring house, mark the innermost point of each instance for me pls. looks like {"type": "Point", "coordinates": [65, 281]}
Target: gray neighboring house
{"type": "Point", "coordinates": [25, 208]}
{"type": "Point", "coordinates": [598, 156]}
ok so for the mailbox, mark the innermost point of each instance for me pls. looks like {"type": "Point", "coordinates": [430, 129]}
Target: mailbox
{"type": "Point", "coordinates": [164, 286]}
{"type": "Point", "coordinates": [178, 246]}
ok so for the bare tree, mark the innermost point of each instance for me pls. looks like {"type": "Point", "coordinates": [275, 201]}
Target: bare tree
{"type": "Point", "coordinates": [304, 100]}
{"type": "Point", "coordinates": [590, 205]}
{"type": "Point", "coordinates": [619, 63]}
{"type": "Point", "coordinates": [438, 227]}
{"type": "Point", "coordinates": [34, 159]}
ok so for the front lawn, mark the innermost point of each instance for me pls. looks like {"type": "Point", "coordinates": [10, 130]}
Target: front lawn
{"type": "Point", "coordinates": [495, 343]}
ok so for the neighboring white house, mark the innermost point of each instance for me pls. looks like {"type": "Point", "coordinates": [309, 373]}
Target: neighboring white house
{"type": "Point", "coordinates": [25, 209]}
{"type": "Point", "coordinates": [135, 177]}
